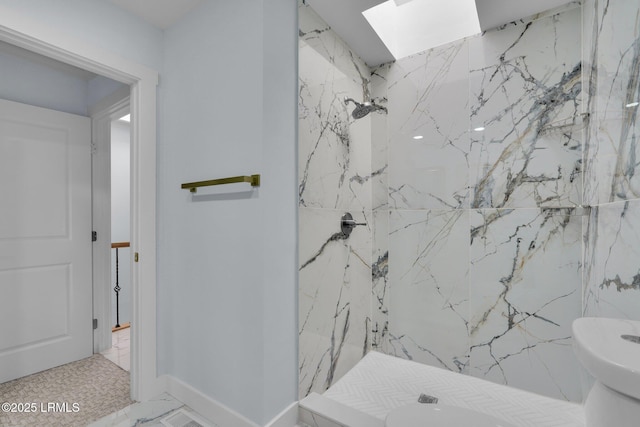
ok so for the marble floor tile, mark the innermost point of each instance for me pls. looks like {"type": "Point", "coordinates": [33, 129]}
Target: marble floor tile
{"type": "Point", "coordinates": [148, 414]}
{"type": "Point", "coordinates": [120, 353]}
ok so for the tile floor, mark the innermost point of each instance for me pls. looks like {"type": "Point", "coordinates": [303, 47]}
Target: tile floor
{"type": "Point", "coordinates": [119, 352]}
{"type": "Point", "coordinates": [155, 413]}
{"type": "Point", "coordinates": [148, 414]}
{"type": "Point", "coordinates": [140, 413]}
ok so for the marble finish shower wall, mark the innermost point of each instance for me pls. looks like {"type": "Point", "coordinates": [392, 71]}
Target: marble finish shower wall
{"type": "Point", "coordinates": [525, 291]}
{"type": "Point", "coordinates": [483, 253]}
{"type": "Point", "coordinates": [525, 86]}
{"type": "Point", "coordinates": [612, 277]}
{"type": "Point", "coordinates": [334, 177]}
{"type": "Point", "coordinates": [612, 175]}
{"type": "Point", "coordinates": [477, 254]}
{"type": "Point", "coordinates": [380, 200]}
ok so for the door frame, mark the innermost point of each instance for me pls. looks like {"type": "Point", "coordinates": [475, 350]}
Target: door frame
{"type": "Point", "coordinates": [111, 108]}
{"type": "Point", "coordinates": [20, 30]}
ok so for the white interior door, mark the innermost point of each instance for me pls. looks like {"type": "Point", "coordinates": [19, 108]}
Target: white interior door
{"type": "Point", "coordinates": [45, 239]}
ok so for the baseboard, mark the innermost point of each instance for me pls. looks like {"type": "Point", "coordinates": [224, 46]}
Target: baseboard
{"type": "Point", "coordinates": [207, 407]}
{"type": "Point", "coordinates": [286, 418]}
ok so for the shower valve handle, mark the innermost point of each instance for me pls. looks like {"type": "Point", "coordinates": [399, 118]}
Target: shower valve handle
{"type": "Point", "coordinates": [347, 224]}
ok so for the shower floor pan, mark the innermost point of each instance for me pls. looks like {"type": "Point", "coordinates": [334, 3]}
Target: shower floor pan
{"type": "Point", "coordinates": [380, 383]}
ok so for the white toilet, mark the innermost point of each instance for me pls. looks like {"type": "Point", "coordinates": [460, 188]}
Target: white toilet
{"type": "Point", "coordinates": [436, 415]}
{"type": "Point", "coordinates": [610, 350]}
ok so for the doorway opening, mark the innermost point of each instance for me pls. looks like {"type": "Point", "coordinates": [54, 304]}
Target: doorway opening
{"type": "Point", "coordinates": [46, 163]}
{"type": "Point", "coordinates": [142, 83]}
{"type": "Point", "coordinates": [120, 254]}
{"type": "Point", "coordinates": [47, 144]}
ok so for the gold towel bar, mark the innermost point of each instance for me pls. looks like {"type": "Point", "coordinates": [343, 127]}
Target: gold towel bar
{"type": "Point", "coordinates": [254, 180]}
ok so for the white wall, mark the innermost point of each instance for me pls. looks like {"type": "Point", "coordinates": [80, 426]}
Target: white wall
{"type": "Point", "coordinates": [226, 266]}
{"type": "Point", "coordinates": [280, 214]}
{"type": "Point", "coordinates": [226, 263]}
{"type": "Point", "coordinates": [120, 216]}
{"type": "Point", "coordinates": [99, 23]}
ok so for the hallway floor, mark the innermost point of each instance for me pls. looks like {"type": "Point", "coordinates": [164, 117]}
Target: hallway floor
{"type": "Point", "coordinates": [119, 353]}
{"type": "Point", "coordinates": [70, 395]}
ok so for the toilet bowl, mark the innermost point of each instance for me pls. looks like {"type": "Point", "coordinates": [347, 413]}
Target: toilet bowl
{"type": "Point", "coordinates": [610, 350]}
{"type": "Point", "coordinates": [421, 414]}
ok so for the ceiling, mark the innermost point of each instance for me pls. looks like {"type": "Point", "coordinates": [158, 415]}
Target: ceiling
{"type": "Point", "coordinates": [346, 19]}
{"type": "Point", "coordinates": [493, 13]}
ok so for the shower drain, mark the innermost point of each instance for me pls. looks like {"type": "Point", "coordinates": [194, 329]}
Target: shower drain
{"type": "Point", "coordinates": [633, 338]}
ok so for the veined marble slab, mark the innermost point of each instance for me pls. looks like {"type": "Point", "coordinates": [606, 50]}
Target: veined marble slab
{"type": "Point", "coordinates": [429, 99]}
{"type": "Point", "coordinates": [380, 282]}
{"type": "Point", "coordinates": [334, 149]}
{"type": "Point", "coordinates": [429, 287]}
{"type": "Point", "coordinates": [613, 28]}
{"type": "Point", "coordinates": [335, 176]}
{"type": "Point", "coordinates": [526, 96]}
{"type": "Point", "coordinates": [146, 414]}
{"type": "Point", "coordinates": [613, 283]}
{"type": "Point", "coordinates": [525, 291]}
{"type": "Point", "coordinates": [590, 29]}
{"type": "Point", "coordinates": [334, 297]}
{"type": "Point", "coordinates": [380, 140]}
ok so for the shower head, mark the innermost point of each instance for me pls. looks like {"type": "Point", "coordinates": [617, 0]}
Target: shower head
{"type": "Point", "coordinates": [362, 109]}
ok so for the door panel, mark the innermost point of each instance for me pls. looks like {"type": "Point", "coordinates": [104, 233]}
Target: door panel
{"type": "Point", "coordinates": [43, 314]}
{"type": "Point", "coordinates": [35, 164]}
{"type": "Point", "coordinates": [45, 239]}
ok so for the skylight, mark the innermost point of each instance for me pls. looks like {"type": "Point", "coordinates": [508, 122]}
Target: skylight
{"type": "Point", "coordinates": [407, 27]}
